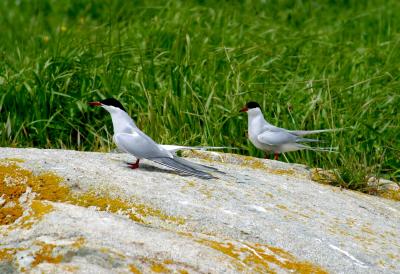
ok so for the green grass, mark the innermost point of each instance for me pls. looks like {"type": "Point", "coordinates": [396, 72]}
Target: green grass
{"type": "Point", "coordinates": [184, 69]}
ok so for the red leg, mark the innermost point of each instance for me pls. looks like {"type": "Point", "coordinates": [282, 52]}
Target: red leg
{"type": "Point", "coordinates": [276, 156]}
{"type": "Point", "coordinates": [134, 165]}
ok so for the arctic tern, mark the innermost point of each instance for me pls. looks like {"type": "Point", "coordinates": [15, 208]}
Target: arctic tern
{"type": "Point", "coordinates": [270, 138]}
{"type": "Point", "coordinates": [130, 139]}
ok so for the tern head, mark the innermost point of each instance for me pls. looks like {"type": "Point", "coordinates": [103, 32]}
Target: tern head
{"type": "Point", "coordinates": [109, 104]}
{"type": "Point", "coordinates": [121, 120]}
{"type": "Point", "coordinates": [251, 107]}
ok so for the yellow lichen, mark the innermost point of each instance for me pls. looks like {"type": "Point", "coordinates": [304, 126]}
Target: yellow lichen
{"type": "Point", "coordinates": [368, 230]}
{"type": "Point", "coordinates": [12, 188]}
{"type": "Point", "coordinates": [16, 181]}
{"type": "Point", "coordinates": [159, 268]}
{"type": "Point", "coordinates": [269, 195]}
{"type": "Point", "coordinates": [168, 261]}
{"type": "Point", "coordinates": [70, 268]}
{"type": "Point", "coordinates": [188, 185]}
{"type": "Point", "coordinates": [207, 192]}
{"type": "Point", "coordinates": [261, 258]}
{"type": "Point", "coordinates": [7, 254]}
{"type": "Point", "coordinates": [282, 207]}
{"type": "Point", "coordinates": [134, 269]}
{"type": "Point", "coordinates": [24, 201]}
{"type": "Point", "coordinates": [156, 265]}
{"type": "Point", "coordinates": [137, 212]}
{"type": "Point", "coordinates": [39, 209]}
{"type": "Point", "coordinates": [294, 213]}
{"type": "Point", "coordinates": [46, 254]}
{"type": "Point", "coordinates": [79, 243]}
{"type": "Point", "coordinates": [17, 160]}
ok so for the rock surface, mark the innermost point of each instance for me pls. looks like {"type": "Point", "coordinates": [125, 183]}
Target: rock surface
{"type": "Point", "coordinates": [79, 212]}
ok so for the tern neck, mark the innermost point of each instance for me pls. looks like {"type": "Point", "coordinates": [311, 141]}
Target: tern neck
{"type": "Point", "coordinates": [256, 121]}
{"type": "Point", "coordinates": [122, 123]}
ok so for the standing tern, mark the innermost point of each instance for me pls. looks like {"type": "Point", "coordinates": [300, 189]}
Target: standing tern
{"type": "Point", "coordinates": [130, 139]}
{"type": "Point", "coordinates": [270, 138]}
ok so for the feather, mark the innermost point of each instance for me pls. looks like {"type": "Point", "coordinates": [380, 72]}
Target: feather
{"type": "Point", "coordinates": [179, 166]}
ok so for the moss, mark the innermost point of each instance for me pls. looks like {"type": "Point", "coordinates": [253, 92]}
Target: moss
{"type": "Point", "coordinates": [390, 194]}
{"type": "Point", "coordinates": [262, 258]}
{"type": "Point", "coordinates": [322, 176]}
{"type": "Point", "coordinates": [329, 177]}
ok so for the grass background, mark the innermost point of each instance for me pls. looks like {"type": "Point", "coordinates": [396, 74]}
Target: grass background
{"type": "Point", "coordinates": [183, 69]}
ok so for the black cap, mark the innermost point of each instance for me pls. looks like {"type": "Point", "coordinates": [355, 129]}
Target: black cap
{"type": "Point", "coordinates": [251, 105]}
{"type": "Point", "coordinates": [112, 102]}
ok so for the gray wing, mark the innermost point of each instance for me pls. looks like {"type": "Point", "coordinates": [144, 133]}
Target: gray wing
{"type": "Point", "coordinates": [176, 163]}
{"type": "Point", "coordinates": [140, 146]}
{"type": "Point", "coordinates": [175, 148]}
{"type": "Point", "coordinates": [278, 138]}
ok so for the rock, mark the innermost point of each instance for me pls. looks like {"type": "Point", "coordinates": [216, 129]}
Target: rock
{"type": "Point", "coordinates": [383, 184]}
{"type": "Point", "coordinates": [84, 212]}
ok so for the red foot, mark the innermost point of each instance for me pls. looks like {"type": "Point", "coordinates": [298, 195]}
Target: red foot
{"type": "Point", "coordinates": [276, 156]}
{"type": "Point", "coordinates": [134, 165]}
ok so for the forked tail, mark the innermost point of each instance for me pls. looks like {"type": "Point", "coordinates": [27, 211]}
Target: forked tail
{"type": "Point", "coordinates": [325, 149]}
{"type": "Point", "coordinates": [306, 132]}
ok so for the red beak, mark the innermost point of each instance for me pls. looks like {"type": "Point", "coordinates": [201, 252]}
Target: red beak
{"type": "Point", "coordinates": [245, 109]}
{"type": "Point", "coordinates": [95, 104]}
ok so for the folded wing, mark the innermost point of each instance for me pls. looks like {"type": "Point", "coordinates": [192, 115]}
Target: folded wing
{"type": "Point", "coordinates": [175, 148]}
{"type": "Point", "coordinates": [140, 146]}
{"type": "Point", "coordinates": [176, 164]}
{"type": "Point", "coordinates": [276, 138]}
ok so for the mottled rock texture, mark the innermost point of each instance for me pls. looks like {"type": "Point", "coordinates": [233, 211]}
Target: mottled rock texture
{"type": "Point", "coordinates": [79, 212]}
